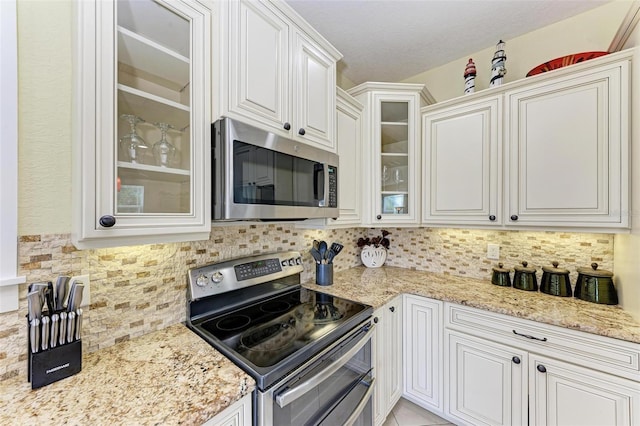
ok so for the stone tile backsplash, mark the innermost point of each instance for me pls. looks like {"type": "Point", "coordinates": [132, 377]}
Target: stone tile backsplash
{"type": "Point", "coordinates": [140, 289]}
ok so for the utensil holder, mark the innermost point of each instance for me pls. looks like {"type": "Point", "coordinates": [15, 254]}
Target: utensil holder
{"type": "Point", "coordinates": [53, 364]}
{"type": "Point", "coordinates": [324, 273]}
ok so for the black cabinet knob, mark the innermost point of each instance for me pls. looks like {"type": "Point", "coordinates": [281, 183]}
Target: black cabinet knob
{"type": "Point", "coordinates": [392, 308]}
{"type": "Point", "coordinates": [515, 360]}
{"type": "Point", "coordinates": [379, 217]}
{"type": "Point", "coordinates": [287, 126]}
{"type": "Point", "coordinates": [375, 320]}
{"type": "Point", "coordinates": [541, 368]}
{"type": "Point", "coordinates": [107, 221]}
{"type": "Point", "coordinates": [514, 217]}
{"type": "Point", "coordinates": [301, 132]}
{"type": "Point", "coordinates": [492, 218]}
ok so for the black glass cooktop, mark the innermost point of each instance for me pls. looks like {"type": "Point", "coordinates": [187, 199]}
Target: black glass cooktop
{"type": "Point", "coordinates": [268, 331]}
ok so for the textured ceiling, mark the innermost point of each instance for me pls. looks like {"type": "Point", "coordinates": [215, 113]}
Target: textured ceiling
{"type": "Point", "coordinates": [390, 40]}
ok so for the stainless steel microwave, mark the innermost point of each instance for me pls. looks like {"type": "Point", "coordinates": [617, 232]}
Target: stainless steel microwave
{"type": "Point", "coordinates": [258, 175]}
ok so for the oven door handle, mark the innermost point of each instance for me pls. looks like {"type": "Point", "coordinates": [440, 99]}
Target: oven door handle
{"type": "Point", "coordinates": [362, 404]}
{"type": "Point", "coordinates": [287, 397]}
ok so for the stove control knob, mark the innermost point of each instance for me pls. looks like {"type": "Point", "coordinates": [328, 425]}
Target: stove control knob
{"type": "Point", "coordinates": [298, 261]}
{"type": "Point", "coordinates": [217, 277]}
{"type": "Point", "coordinates": [292, 262]}
{"type": "Point", "coordinates": [284, 263]}
{"type": "Point", "coordinates": [201, 281]}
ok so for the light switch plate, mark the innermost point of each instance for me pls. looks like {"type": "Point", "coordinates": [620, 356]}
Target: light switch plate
{"type": "Point", "coordinates": [493, 251]}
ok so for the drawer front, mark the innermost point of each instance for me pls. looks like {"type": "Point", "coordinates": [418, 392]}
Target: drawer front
{"type": "Point", "coordinates": [589, 350]}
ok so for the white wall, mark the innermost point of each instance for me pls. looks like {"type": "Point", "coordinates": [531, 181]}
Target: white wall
{"type": "Point", "coordinates": [627, 247]}
{"type": "Point", "coordinates": [589, 31]}
{"type": "Point", "coordinates": [44, 127]}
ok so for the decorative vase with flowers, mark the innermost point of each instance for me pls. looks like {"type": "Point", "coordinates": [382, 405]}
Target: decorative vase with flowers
{"type": "Point", "coordinates": [374, 250]}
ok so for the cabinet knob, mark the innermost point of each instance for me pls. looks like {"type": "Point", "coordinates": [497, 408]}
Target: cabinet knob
{"type": "Point", "coordinates": [301, 132]}
{"type": "Point", "coordinates": [515, 360]}
{"type": "Point", "coordinates": [379, 217]}
{"type": "Point", "coordinates": [392, 308]}
{"type": "Point", "coordinates": [492, 218]}
{"type": "Point", "coordinates": [287, 126]}
{"type": "Point", "coordinates": [541, 368]}
{"type": "Point", "coordinates": [375, 320]}
{"type": "Point", "coordinates": [514, 217]}
{"type": "Point", "coordinates": [107, 221]}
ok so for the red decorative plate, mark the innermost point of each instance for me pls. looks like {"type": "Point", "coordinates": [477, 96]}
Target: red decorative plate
{"type": "Point", "coordinates": [564, 61]}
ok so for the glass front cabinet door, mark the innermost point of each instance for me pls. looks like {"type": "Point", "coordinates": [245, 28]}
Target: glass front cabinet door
{"type": "Point", "coordinates": [392, 144]}
{"type": "Point", "coordinates": [142, 114]}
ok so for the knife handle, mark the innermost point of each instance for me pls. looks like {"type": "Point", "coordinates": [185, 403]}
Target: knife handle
{"type": "Point", "coordinates": [71, 326]}
{"type": "Point", "coordinates": [55, 323]}
{"type": "Point", "coordinates": [62, 334]}
{"type": "Point", "coordinates": [34, 335]}
{"type": "Point", "coordinates": [78, 323]}
{"type": "Point", "coordinates": [45, 333]}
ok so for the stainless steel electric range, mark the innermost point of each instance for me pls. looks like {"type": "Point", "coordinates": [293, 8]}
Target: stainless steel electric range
{"type": "Point", "coordinates": [310, 353]}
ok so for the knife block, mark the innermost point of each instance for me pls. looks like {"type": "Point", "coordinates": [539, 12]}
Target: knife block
{"type": "Point", "coordinates": [46, 367]}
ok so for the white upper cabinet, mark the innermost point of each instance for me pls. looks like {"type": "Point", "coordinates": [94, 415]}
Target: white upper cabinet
{"type": "Point", "coordinates": [142, 117]}
{"type": "Point", "coordinates": [568, 142]}
{"type": "Point", "coordinates": [391, 143]}
{"type": "Point", "coordinates": [462, 155]}
{"type": "Point", "coordinates": [276, 72]}
{"type": "Point", "coordinates": [548, 151]}
{"type": "Point", "coordinates": [349, 141]}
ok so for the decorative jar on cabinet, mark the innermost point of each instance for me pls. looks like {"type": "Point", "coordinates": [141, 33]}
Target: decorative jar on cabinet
{"type": "Point", "coordinates": [142, 72]}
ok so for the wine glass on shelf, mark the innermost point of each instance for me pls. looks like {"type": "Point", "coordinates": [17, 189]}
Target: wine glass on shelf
{"type": "Point", "coordinates": [163, 150]}
{"type": "Point", "coordinates": [397, 177]}
{"type": "Point", "coordinates": [132, 144]}
{"type": "Point", "coordinates": [385, 175]}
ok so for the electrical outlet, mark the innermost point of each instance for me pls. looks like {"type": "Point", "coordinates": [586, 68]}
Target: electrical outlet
{"type": "Point", "coordinates": [86, 293]}
{"type": "Point", "coordinates": [493, 251]}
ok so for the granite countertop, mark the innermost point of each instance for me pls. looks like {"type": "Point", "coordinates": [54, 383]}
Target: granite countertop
{"type": "Point", "coordinates": [168, 377]}
{"type": "Point", "coordinates": [377, 286]}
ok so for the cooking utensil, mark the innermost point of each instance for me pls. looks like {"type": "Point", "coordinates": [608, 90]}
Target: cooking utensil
{"type": "Point", "coordinates": [500, 276]}
{"type": "Point", "coordinates": [71, 326]}
{"type": "Point", "coordinates": [555, 281]}
{"type": "Point", "coordinates": [78, 323]}
{"type": "Point", "coordinates": [55, 323]}
{"type": "Point", "coordinates": [34, 305]}
{"type": "Point", "coordinates": [62, 331]}
{"type": "Point", "coordinates": [44, 325]}
{"type": "Point", "coordinates": [75, 297]}
{"type": "Point", "coordinates": [316, 255]}
{"type": "Point", "coordinates": [322, 248]}
{"type": "Point", "coordinates": [61, 292]}
{"type": "Point", "coordinates": [596, 285]}
{"type": "Point", "coordinates": [525, 277]}
{"type": "Point", "coordinates": [34, 335]}
{"type": "Point", "coordinates": [334, 250]}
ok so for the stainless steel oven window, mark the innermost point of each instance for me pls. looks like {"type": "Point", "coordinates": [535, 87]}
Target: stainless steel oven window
{"type": "Point", "coordinates": [335, 388]}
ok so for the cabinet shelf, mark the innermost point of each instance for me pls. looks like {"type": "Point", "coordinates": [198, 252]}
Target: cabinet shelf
{"type": "Point", "coordinates": [147, 171]}
{"type": "Point", "coordinates": [141, 103]}
{"type": "Point", "coordinates": [152, 58]}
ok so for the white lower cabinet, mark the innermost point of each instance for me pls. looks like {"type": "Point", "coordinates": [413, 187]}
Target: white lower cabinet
{"type": "Point", "coordinates": [566, 394]}
{"type": "Point", "coordinates": [423, 352]}
{"type": "Point", "coordinates": [388, 358]}
{"type": "Point", "coordinates": [238, 414]}
{"type": "Point", "coordinates": [486, 382]}
{"type": "Point", "coordinates": [501, 370]}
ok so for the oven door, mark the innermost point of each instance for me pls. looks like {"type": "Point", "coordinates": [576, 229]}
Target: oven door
{"type": "Point", "coordinates": [334, 388]}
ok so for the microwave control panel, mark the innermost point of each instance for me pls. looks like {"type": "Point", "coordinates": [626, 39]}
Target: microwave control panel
{"type": "Point", "coordinates": [333, 186]}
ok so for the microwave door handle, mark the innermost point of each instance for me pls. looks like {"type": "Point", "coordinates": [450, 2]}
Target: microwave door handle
{"type": "Point", "coordinates": [362, 404]}
{"type": "Point", "coordinates": [287, 397]}
{"type": "Point", "coordinates": [318, 170]}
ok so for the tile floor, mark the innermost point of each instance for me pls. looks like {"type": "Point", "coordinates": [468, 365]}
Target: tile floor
{"type": "Point", "coordinates": [406, 413]}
